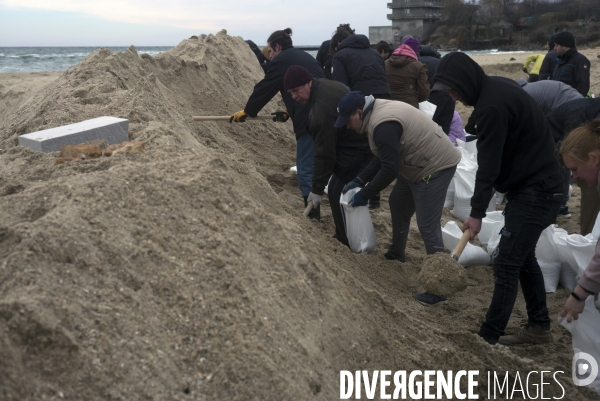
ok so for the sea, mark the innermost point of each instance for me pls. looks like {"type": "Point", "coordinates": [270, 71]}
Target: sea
{"type": "Point", "coordinates": [36, 59]}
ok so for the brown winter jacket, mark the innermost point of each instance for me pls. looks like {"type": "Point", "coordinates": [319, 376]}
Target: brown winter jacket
{"type": "Point", "coordinates": [407, 79]}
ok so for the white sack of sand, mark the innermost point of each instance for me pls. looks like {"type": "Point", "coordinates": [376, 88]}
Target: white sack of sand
{"type": "Point", "coordinates": [441, 275]}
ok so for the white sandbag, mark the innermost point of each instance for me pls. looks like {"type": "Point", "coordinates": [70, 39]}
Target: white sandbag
{"type": "Point", "coordinates": [472, 255]}
{"type": "Point", "coordinates": [493, 221]}
{"type": "Point", "coordinates": [464, 183]}
{"type": "Point", "coordinates": [575, 250]}
{"type": "Point", "coordinates": [294, 169]}
{"type": "Point", "coordinates": [359, 227]}
{"type": "Point", "coordinates": [471, 147]}
{"type": "Point", "coordinates": [449, 202]}
{"type": "Point", "coordinates": [585, 332]}
{"type": "Point", "coordinates": [548, 258]}
{"type": "Point", "coordinates": [595, 234]}
{"type": "Point", "coordinates": [568, 278]}
{"type": "Point", "coordinates": [500, 198]}
{"type": "Point", "coordinates": [428, 108]}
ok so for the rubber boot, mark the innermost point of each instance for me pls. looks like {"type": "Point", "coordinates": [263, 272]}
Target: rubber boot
{"type": "Point", "coordinates": [314, 214]}
{"type": "Point", "coordinates": [531, 335]}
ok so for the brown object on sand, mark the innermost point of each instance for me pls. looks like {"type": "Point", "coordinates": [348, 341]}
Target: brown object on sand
{"type": "Point", "coordinates": [125, 147]}
{"type": "Point", "coordinates": [76, 151]}
{"type": "Point", "coordinates": [442, 275]}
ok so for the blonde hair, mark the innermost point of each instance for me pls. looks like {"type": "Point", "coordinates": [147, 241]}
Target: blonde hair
{"type": "Point", "coordinates": [582, 141]}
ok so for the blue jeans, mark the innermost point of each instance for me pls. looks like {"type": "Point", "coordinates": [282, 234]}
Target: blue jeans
{"type": "Point", "coordinates": [304, 162]}
{"type": "Point", "coordinates": [528, 212]}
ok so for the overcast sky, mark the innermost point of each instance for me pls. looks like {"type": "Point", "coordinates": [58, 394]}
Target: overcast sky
{"type": "Point", "coordinates": [168, 22]}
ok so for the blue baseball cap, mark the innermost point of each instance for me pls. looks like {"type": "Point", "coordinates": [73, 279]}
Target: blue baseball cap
{"type": "Point", "coordinates": [347, 106]}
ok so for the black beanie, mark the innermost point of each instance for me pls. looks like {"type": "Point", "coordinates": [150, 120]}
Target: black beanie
{"type": "Point", "coordinates": [296, 76]}
{"type": "Point", "coordinates": [565, 39]}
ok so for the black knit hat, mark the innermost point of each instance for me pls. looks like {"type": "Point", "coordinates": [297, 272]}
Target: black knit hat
{"type": "Point", "coordinates": [565, 39]}
{"type": "Point", "coordinates": [296, 76]}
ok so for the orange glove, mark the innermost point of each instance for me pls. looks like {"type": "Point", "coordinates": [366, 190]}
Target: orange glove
{"type": "Point", "coordinates": [238, 117]}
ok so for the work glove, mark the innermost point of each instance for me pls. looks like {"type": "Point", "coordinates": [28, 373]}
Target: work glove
{"type": "Point", "coordinates": [280, 116]}
{"type": "Point", "coordinates": [238, 117]}
{"type": "Point", "coordinates": [525, 70]}
{"type": "Point", "coordinates": [316, 199]}
{"type": "Point", "coordinates": [355, 183]}
{"type": "Point", "coordinates": [358, 200]}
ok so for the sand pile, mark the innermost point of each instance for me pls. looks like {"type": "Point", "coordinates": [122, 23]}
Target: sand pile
{"type": "Point", "coordinates": [441, 275]}
{"type": "Point", "coordinates": [188, 272]}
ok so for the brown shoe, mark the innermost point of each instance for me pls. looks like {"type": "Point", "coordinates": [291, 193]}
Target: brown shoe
{"type": "Point", "coordinates": [530, 335]}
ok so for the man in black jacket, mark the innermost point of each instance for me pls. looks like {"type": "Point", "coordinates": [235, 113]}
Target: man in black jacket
{"type": "Point", "coordinates": [516, 157]}
{"type": "Point", "coordinates": [339, 153]}
{"type": "Point", "coordinates": [284, 55]}
{"type": "Point", "coordinates": [573, 67]}
{"type": "Point", "coordinates": [564, 119]}
{"type": "Point", "coordinates": [361, 68]}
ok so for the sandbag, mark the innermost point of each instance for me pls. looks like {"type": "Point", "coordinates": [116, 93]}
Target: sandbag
{"type": "Point", "coordinates": [428, 108]}
{"type": "Point", "coordinates": [585, 332]}
{"type": "Point", "coordinates": [575, 250]}
{"type": "Point", "coordinates": [472, 255]}
{"type": "Point", "coordinates": [493, 221]}
{"type": "Point", "coordinates": [470, 147]}
{"type": "Point", "coordinates": [568, 278]}
{"type": "Point", "coordinates": [358, 224]}
{"type": "Point", "coordinates": [548, 259]}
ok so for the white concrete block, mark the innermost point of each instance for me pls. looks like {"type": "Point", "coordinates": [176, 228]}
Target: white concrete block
{"type": "Point", "coordinates": [114, 130]}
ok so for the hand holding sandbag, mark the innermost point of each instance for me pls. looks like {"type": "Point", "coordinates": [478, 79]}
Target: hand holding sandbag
{"type": "Point", "coordinates": [238, 117]}
{"type": "Point", "coordinates": [316, 199]}
{"type": "Point", "coordinates": [358, 200]}
{"type": "Point", "coordinates": [355, 183]}
{"type": "Point", "coordinates": [525, 70]}
{"type": "Point", "coordinates": [280, 116]}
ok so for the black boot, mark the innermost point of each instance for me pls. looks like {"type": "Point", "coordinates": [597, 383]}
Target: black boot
{"type": "Point", "coordinates": [315, 213]}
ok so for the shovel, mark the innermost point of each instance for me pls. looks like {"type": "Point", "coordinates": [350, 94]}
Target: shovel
{"type": "Point", "coordinates": [461, 245]}
{"type": "Point", "coordinates": [309, 207]}
{"type": "Point", "coordinates": [219, 118]}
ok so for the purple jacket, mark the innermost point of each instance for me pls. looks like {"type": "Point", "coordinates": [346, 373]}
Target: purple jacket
{"type": "Point", "coordinates": [456, 129]}
{"type": "Point", "coordinates": [590, 280]}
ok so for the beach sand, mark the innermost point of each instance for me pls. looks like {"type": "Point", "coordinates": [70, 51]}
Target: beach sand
{"type": "Point", "coordinates": [190, 273]}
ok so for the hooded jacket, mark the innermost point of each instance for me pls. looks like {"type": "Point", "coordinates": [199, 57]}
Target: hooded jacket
{"type": "Point", "coordinates": [337, 150]}
{"type": "Point", "coordinates": [515, 148]}
{"type": "Point", "coordinates": [573, 69]}
{"type": "Point", "coordinates": [549, 94]}
{"type": "Point", "coordinates": [360, 67]}
{"type": "Point", "coordinates": [571, 115]}
{"type": "Point", "coordinates": [272, 83]}
{"type": "Point", "coordinates": [325, 58]}
{"type": "Point", "coordinates": [407, 77]}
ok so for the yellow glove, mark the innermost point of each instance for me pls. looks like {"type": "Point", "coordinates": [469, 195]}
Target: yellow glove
{"type": "Point", "coordinates": [238, 117]}
{"type": "Point", "coordinates": [281, 116]}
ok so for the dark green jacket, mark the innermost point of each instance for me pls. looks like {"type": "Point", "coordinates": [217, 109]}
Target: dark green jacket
{"type": "Point", "coordinates": [338, 151]}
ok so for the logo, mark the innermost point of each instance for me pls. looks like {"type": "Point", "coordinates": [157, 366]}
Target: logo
{"type": "Point", "coordinates": [585, 369]}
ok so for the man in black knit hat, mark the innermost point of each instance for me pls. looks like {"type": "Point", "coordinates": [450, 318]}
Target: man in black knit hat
{"type": "Point", "coordinates": [573, 67]}
{"type": "Point", "coordinates": [339, 153]}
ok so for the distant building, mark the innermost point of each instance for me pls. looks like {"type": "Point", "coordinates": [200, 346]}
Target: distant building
{"type": "Point", "coordinates": [409, 17]}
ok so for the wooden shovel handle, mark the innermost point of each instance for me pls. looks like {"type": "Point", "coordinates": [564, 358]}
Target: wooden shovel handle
{"type": "Point", "coordinates": [218, 118]}
{"type": "Point", "coordinates": [461, 244]}
{"type": "Point", "coordinates": [309, 207]}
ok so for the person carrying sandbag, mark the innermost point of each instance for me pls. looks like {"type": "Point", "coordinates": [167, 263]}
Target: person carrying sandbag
{"type": "Point", "coordinates": [410, 148]}
{"type": "Point", "coordinates": [580, 152]}
{"type": "Point", "coordinates": [515, 155]}
{"type": "Point", "coordinates": [339, 153]}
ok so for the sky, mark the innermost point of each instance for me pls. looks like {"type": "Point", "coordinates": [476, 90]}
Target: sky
{"type": "Point", "coordinates": [29, 23]}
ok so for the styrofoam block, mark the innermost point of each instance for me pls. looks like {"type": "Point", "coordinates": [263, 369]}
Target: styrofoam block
{"type": "Point", "coordinates": [112, 129]}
